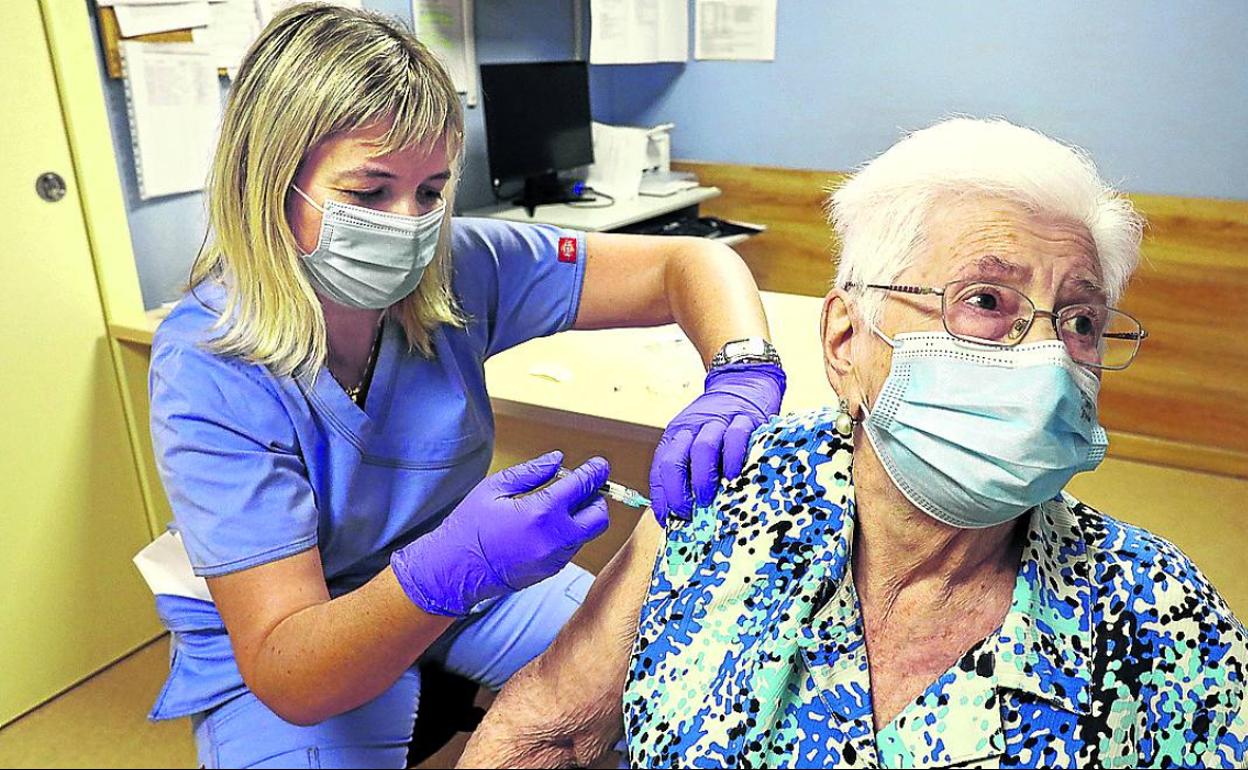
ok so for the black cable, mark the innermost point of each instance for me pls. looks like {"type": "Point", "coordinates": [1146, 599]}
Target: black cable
{"type": "Point", "coordinates": [594, 205]}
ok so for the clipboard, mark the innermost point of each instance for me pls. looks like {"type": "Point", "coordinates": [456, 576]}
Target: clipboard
{"type": "Point", "coordinates": [110, 38]}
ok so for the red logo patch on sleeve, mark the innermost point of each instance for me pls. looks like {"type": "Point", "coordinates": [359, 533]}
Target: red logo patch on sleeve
{"type": "Point", "coordinates": [567, 250]}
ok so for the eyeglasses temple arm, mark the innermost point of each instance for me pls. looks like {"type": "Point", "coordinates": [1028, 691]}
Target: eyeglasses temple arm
{"type": "Point", "coordinates": [1142, 334]}
{"type": "Point", "coordinates": [907, 289]}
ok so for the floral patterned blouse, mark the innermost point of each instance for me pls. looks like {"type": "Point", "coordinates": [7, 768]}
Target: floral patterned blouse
{"type": "Point", "coordinates": [1116, 651]}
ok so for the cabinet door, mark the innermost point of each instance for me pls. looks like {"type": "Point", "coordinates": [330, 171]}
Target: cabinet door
{"type": "Point", "coordinates": [71, 515]}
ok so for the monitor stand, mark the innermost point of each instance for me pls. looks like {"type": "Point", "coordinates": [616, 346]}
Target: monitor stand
{"type": "Point", "coordinates": [546, 189]}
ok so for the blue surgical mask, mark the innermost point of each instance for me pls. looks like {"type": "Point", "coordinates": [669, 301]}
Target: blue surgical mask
{"type": "Point", "coordinates": [370, 259]}
{"type": "Point", "coordinates": [976, 436]}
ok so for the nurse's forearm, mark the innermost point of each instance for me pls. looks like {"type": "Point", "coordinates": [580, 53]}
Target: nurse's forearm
{"type": "Point", "coordinates": [713, 296]}
{"type": "Point", "coordinates": [564, 709]}
{"type": "Point", "coordinates": [333, 656]}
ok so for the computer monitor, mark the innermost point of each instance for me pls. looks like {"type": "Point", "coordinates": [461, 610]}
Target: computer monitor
{"type": "Point", "coordinates": [537, 123]}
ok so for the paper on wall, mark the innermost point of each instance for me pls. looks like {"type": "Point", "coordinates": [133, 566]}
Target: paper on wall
{"type": "Point", "coordinates": [619, 159]}
{"type": "Point", "coordinates": [735, 30]}
{"type": "Point", "coordinates": [638, 31]}
{"type": "Point", "coordinates": [445, 26]}
{"type": "Point", "coordinates": [174, 104]}
{"type": "Point", "coordinates": [144, 19]}
{"type": "Point", "coordinates": [231, 29]}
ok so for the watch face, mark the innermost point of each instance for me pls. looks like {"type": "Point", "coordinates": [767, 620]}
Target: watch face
{"type": "Point", "coordinates": [742, 348]}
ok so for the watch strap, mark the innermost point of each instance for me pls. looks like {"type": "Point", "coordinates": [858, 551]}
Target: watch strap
{"type": "Point", "coordinates": [762, 352]}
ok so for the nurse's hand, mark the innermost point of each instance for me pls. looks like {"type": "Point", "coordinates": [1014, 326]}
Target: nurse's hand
{"type": "Point", "coordinates": [500, 539]}
{"type": "Point", "coordinates": [711, 437]}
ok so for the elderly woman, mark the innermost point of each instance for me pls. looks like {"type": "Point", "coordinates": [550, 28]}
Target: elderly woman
{"type": "Point", "coordinates": [901, 581]}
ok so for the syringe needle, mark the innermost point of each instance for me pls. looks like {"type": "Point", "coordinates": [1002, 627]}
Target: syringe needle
{"type": "Point", "coordinates": [616, 491]}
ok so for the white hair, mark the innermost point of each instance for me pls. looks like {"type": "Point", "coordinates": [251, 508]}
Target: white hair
{"type": "Point", "coordinates": [880, 212]}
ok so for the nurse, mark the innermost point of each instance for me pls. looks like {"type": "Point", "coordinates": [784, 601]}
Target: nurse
{"type": "Point", "coordinates": [320, 416]}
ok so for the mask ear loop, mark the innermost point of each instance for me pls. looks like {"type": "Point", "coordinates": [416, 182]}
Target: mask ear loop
{"type": "Point", "coordinates": [844, 423]}
{"type": "Point", "coordinates": [304, 195]}
{"type": "Point", "coordinates": [311, 203]}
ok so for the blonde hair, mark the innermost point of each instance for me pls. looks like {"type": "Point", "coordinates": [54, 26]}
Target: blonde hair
{"type": "Point", "coordinates": [316, 70]}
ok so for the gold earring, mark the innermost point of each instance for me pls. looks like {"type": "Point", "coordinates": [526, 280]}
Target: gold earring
{"type": "Point", "coordinates": [844, 422]}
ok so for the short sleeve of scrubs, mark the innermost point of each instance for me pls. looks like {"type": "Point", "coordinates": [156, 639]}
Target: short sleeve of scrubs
{"type": "Point", "coordinates": [522, 280]}
{"type": "Point", "coordinates": [228, 456]}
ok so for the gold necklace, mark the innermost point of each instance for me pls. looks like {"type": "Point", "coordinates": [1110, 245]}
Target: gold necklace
{"type": "Point", "coordinates": [353, 392]}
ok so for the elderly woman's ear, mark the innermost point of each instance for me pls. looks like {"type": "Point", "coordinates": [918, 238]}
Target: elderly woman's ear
{"type": "Point", "coordinates": [836, 327]}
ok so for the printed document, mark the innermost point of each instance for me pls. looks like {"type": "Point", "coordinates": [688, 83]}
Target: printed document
{"type": "Point", "coordinates": [735, 30]}
{"type": "Point", "coordinates": [638, 31]}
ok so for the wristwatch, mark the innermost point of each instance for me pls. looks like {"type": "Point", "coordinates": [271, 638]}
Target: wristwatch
{"type": "Point", "coordinates": [748, 350]}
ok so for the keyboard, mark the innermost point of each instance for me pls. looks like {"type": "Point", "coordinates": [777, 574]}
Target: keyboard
{"type": "Point", "coordinates": [701, 227]}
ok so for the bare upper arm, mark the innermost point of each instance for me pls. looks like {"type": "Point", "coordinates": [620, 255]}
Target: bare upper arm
{"type": "Point", "coordinates": [565, 708]}
{"type": "Point", "coordinates": [625, 279]}
{"type": "Point", "coordinates": [252, 602]}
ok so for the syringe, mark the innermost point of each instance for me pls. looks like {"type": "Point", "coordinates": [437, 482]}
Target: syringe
{"type": "Point", "coordinates": [617, 492]}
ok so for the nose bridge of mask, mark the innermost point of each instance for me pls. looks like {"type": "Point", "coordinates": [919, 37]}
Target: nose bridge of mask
{"type": "Point", "coordinates": [1024, 356]}
{"type": "Point", "coordinates": [1044, 357]}
{"type": "Point", "coordinates": [911, 345]}
{"type": "Point", "coordinates": [362, 216]}
{"type": "Point", "coordinates": [381, 239]}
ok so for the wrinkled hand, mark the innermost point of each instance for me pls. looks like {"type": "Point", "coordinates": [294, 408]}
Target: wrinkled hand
{"type": "Point", "coordinates": [499, 539]}
{"type": "Point", "coordinates": [711, 436]}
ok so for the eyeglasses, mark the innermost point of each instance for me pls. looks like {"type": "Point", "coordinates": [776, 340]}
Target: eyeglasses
{"type": "Point", "coordinates": [991, 314]}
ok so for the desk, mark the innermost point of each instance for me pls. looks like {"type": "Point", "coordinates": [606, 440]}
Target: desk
{"type": "Point", "coordinates": [592, 217]}
{"type": "Point", "coordinates": [632, 382]}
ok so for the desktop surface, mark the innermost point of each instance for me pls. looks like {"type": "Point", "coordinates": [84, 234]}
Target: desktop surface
{"type": "Point", "coordinates": [595, 217]}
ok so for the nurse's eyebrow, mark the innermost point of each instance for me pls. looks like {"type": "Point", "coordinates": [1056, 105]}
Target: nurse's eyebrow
{"type": "Point", "coordinates": [371, 171]}
{"type": "Point", "coordinates": [365, 171]}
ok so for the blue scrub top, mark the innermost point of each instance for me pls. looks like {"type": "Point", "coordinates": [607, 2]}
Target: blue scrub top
{"type": "Point", "coordinates": [259, 467]}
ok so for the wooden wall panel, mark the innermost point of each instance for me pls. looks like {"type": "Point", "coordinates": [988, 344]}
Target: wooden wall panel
{"type": "Point", "coordinates": [1184, 402]}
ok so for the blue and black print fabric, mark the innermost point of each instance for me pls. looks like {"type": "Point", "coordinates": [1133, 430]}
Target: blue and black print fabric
{"type": "Point", "coordinates": [1115, 652]}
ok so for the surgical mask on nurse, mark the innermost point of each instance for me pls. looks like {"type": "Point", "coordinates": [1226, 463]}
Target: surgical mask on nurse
{"type": "Point", "coordinates": [369, 259]}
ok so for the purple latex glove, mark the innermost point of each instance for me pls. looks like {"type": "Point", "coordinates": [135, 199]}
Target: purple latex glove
{"type": "Point", "coordinates": [499, 539]}
{"type": "Point", "coordinates": [711, 436]}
